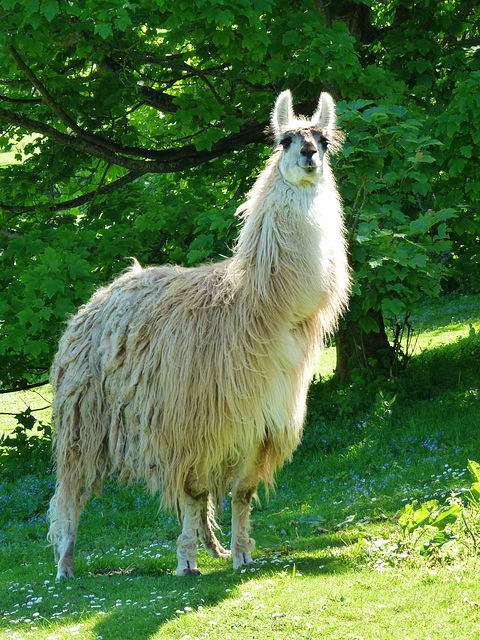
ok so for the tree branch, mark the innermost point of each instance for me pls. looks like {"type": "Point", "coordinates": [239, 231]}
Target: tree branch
{"type": "Point", "coordinates": [21, 100]}
{"type": "Point", "coordinates": [219, 71]}
{"type": "Point", "coordinates": [3, 413]}
{"type": "Point", "coordinates": [65, 140]}
{"type": "Point", "coordinates": [58, 110]}
{"type": "Point", "coordinates": [69, 204]}
{"type": "Point", "coordinates": [46, 97]}
{"type": "Point", "coordinates": [24, 388]}
{"type": "Point", "coordinates": [154, 98]}
{"type": "Point", "coordinates": [8, 233]}
{"type": "Point", "coordinates": [153, 161]}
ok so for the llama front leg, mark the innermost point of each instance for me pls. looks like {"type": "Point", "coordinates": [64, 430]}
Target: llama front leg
{"type": "Point", "coordinates": [187, 545]}
{"type": "Point", "coordinates": [244, 488]}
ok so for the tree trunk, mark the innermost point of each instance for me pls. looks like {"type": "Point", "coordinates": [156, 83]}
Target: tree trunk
{"type": "Point", "coordinates": [357, 349]}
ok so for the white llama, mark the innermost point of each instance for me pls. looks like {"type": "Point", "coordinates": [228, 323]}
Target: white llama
{"type": "Point", "coordinates": [195, 379]}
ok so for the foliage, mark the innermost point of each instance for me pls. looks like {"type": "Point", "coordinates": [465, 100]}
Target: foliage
{"type": "Point", "coordinates": [145, 128]}
{"type": "Point", "coordinates": [430, 517]}
{"type": "Point", "coordinates": [397, 233]}
{"type": "Point", "coordinates": [27, 449]}
{"type": "Point", "coordinates": [472, 495]}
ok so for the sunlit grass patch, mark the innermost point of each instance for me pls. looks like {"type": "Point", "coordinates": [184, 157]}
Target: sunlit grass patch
{"type": "Point", "coordinates": [17, 155]}
{"type": "Point", "coordinates": [38, 399]}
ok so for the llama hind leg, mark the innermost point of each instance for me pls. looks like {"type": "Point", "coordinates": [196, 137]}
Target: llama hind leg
{"type": "Point", "coordinates": [64, 514]}
{"type": "Point", "coordinates": [208, 538]}
{"type": "Point", "coordinates": [244, 488]}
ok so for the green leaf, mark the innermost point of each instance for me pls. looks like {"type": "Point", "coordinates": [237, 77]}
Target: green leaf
{"type": "Point", "coordinates": [422, 515]}
{"type": "Point", "coordinates": [224, 17]}
{"type": "Point", "coordinates": [31, 7]}
{"type": "Point", "coordinates": [438, 540]}
{"type": "Point", "coordinates": [78, 268]}
{"type": "Point", "coordinates": [419, 260]}
{"type": "Point", "coordinates": [37, 347]}
{"type": "Point", "coordinates": [393, 307]}
{"type": "Point", "coordinates": [411, 518]}
{"type": "Point", "coordinates": [104, 30]}
{"type": "Point", "coordinates": [122, 22]}
{"type": "Point", "coordinates": [53, 286]}
{"type": "Point", "coordinates": [473, 495]}
{"type": "Point", "coordinates": [311, 519]}
{"type": "Point", "coordinates": [474, 469]}
{"type": "Point", "coordinates": [27, 316]}
{"type": "Point", "coordinates": [466, 150]}
{"type": "Point", "coordinates": [446, 516]}
{"type": "Point", "coordinates": [368, 324]}
{"type": "Point", "coordinates": [291, 37]}
{"type": "Point", "coordinates": [422, 224]}
{"type": "Point", "coordinates": [50, 8]}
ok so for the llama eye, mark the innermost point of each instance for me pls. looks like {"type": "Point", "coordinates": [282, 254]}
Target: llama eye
{"type": "Point", "coordinates": [324, 142]}
{"type": "Point", "coordinates": [286, 142]}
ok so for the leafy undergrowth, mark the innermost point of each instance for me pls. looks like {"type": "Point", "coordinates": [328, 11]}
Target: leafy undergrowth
{"type": "Point", "coordinates": [371, 533]}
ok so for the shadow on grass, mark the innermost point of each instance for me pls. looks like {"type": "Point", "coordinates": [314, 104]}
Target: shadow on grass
{"type": "Point", "coordinates": [207, 591]}
{"type": "Point", "coordinates": [115, 600]}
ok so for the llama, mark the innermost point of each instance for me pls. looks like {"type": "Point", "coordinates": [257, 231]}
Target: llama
{"type": "Point", "coordinates": [195, 379]}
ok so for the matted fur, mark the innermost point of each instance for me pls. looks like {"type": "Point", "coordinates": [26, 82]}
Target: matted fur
{"type": "Point", "coordinates": [183, 376]}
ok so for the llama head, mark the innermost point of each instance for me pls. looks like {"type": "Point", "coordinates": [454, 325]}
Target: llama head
{"type": "Point", "coordinates": [304, 142]}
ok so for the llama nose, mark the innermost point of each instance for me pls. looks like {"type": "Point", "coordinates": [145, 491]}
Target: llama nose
{"type": "Point", "coordinates": [308, 150]}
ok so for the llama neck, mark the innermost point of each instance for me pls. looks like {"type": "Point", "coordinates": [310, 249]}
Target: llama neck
{"type": "Point", "coordinates": [283, 251]}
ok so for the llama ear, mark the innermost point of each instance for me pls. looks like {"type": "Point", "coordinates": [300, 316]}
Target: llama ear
{"type": "Point", "coordinates": [324, 116]}
{"type": "Point", "coordinates": [282, 113]}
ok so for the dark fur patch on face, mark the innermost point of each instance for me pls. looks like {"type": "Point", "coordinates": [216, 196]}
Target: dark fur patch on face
{"type": "Point", "coordinates": [332, 143]}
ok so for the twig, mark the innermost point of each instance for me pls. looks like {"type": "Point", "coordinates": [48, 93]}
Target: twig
{"type": "Point", "coordinates": [25, 388]}
{"type": "Point", "coordinates": [354, 223]}
{"type": "Point", "coordinates": [2, 413]}
{"type": "Point", "coordinates": [8, 233]}
{"type": "Point", "coordinates": [99, 186]}
{"type": "Point", "coordinates": [75, 202]}
{"type": "Point", "coordinates": [469, 531]}
{"type": "Point", "coordinates": [56, 108]}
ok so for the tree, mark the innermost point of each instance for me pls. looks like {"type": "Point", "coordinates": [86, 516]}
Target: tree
{"type": "Point", "coordinates": [416, 214]}
{"type": "Point", "coordinates": [140, 126]}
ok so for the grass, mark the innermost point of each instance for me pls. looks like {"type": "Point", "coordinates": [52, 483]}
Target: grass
{"type": "Point", "coordinates": [39, 400]}
{"type": "Point", "coordinates": [331, 559]}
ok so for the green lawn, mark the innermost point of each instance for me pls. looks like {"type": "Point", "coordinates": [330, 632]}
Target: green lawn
{"type": "Point", "coordinates": [332, 560]}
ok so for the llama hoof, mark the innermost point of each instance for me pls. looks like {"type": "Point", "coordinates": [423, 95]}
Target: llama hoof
{"type": "Point", "coordinates": [242, 560]}
{"type": "Point", "coordinates": [190, 569]}
{"type": "Point", "coordinates": [64, 573]}
{"type": "Point", "coordinates": [188, 572]}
